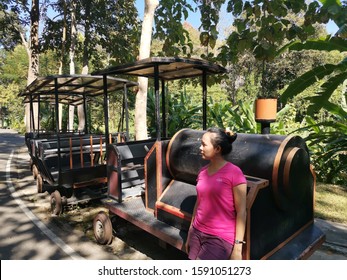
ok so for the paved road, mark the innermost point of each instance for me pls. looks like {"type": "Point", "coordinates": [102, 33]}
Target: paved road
{"type": "Point", "coordinates": [24, 236]}
{"type": "Point", "coordinates": [20, 236]}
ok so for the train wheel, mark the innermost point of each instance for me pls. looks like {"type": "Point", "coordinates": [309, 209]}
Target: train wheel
{"type": "Point", "coordinates": [64, 200]}
{"type": "Point", "coordinates": [34, 170]}
{"type": "Point", "coordinates": [102, 228]}
{"type": "Point", "coordinates": [39, 183]}
{"type": "Point", "coordinates": [56, 203]}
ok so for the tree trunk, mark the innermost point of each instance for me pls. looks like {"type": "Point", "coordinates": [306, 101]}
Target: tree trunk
{"type": "Point", "coordinates": [72, 58]}
{"type": "Point", "coordinates": [145, 48]}
{"type": "Point", "coordinates": [62, 61]}
{"type": "Point", "coordinates": [33, 51]}
{"type": "Point", "coordinates": [85, 69]}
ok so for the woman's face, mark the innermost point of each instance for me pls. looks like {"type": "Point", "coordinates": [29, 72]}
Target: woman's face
{"type": "Point", "coordinates": [207, 150]}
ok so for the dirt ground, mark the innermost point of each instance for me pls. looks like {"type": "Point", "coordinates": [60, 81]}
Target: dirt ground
{"type": "Point", "coordinates": [129, 241]}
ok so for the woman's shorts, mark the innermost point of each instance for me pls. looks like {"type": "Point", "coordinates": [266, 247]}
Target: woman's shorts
{"type": "Point", "coordinates": [204, 246]}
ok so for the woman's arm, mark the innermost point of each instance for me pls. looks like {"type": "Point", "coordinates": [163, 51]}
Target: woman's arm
{"type": "Point", "coordinates": [240, 192]}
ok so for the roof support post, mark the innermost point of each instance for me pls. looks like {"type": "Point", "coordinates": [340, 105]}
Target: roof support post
{"type": "Point", "coordinates": [157, 103]}
{"type": "Point", "coordinates": [86, 130]}
{"type": "Point", "coordinates": [204, 100]}
{"type": "Point", "coordinates": [38, 114]}
{"type": "Point", "coordinates": [107, 139]}
{"type": "Point", "coordinates": [56, 108]}
{"type": "Point", "coordinates": [32, 120]}
{"type": "Point", "coordinates": [125, 92]}
{"type": "Point", "coordinates": [163, 106]}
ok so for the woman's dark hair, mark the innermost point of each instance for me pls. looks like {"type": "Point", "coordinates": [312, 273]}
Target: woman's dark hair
{"type": "Point", "coordinates": [222, 138]}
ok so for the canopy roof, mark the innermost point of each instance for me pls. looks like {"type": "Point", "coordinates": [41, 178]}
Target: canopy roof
{"type": "Point", "coordinates": [169, 68]}
{"type": "Point", "coordinates": [71, 89]}
{"type": "Point", "coordinates": [166, 69]}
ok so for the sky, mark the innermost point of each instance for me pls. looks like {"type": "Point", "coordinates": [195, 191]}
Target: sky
{"type": "Point", "coordinates": [194, 19]}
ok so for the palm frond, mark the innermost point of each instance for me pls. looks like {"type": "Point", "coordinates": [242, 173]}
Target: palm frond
{"type": "Point", "coordinates": [324, 44]}
{"type": "Point", "coordinates": [306, 80]}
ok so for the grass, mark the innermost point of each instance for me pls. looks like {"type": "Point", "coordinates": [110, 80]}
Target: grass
{"type": "Point", "coordinates": [331, 202]}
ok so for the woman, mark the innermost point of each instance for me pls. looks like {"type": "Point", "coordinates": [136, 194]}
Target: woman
{"type": "Point", "coordinates": [219, 217]}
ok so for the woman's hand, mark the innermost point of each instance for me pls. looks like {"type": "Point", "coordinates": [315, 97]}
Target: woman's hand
{"type": "Point", "coordinates": [236, 254]}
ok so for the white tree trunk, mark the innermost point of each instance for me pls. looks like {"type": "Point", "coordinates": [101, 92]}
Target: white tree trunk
{"type": "Point", "coordinates": [72, 58]}
{"type": "Point", "coordinates": [145, 48]}
{"type": "Point", "coordinates": [62, 60]}
{"type": "Point", "coordinates": [31, 77]}
{"type": "Point", "coordinates": [85, 69]}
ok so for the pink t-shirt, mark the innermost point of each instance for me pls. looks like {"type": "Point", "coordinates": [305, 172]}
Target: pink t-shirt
{"type": "Point", "coordinates": [215, 213]}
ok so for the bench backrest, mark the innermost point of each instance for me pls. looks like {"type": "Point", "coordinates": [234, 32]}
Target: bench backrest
{"type": "Point", "coordinates": [134, 152]}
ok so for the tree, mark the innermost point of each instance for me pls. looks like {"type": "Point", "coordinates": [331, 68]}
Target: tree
{"type": "Point", "coordinates": [14, 66]}
{"type": "Point", "coordinates": [11, 108]}
{"type": "Point", "coordinates": [96, 32]}
{"type": "Point", "coordinates": [33, 53]}
{"type": "Point", "coordinates": [335, 74]}
{"type": "Point", "coordinates": [169, 28]}
{"type": "Point", "coordinates": [261, 28]}
{"type": "Point", "coordinates": [72, 51]}
{"type": "Point", "coordinates": [12, 25]}
{"type": "Point", "coordinates": [16, 15]}
{"type": "Point", "coordinates": [145, 47]}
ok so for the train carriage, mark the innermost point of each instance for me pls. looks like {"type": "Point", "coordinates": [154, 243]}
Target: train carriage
{"type": "Point", "coordinates": [71, 164]}
{"type": "Point", "coordinates": [280, 178]}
